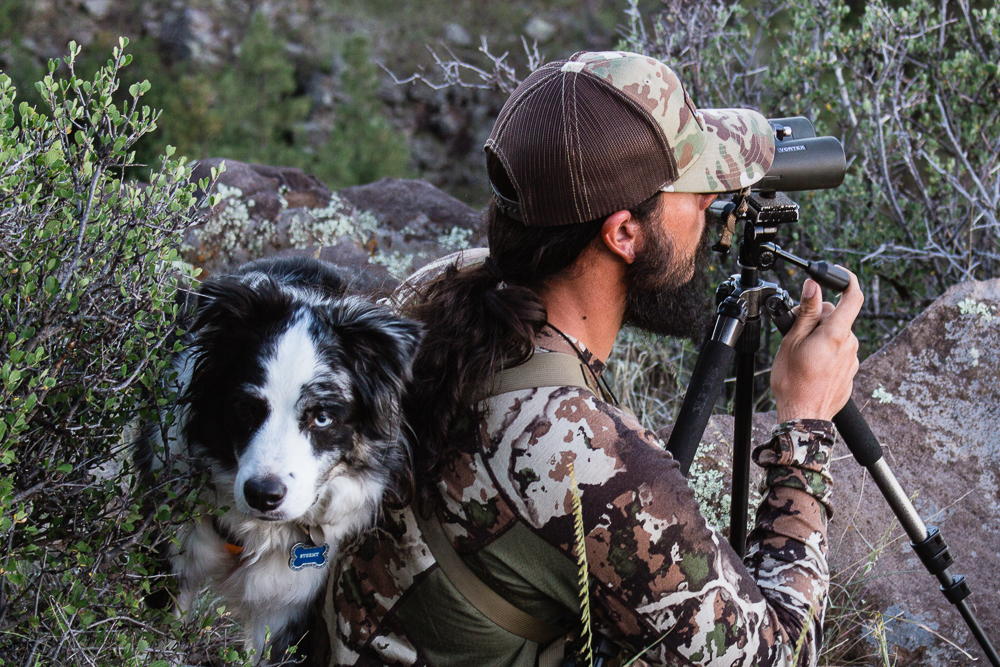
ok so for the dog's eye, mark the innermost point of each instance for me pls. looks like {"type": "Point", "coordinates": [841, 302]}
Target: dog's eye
{"type": "Point", "coordinates": [242, 411]}
{"type": "Point", "coordinates": [322, 420]}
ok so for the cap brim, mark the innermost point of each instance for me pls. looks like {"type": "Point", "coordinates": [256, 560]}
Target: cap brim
{"type": "Point", "coordinates": [739, 149]}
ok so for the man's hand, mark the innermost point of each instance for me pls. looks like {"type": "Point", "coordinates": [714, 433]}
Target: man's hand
{"type": "Point", "coordinates": [813, 372]}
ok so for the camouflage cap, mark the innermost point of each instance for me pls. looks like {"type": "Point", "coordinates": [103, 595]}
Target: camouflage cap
{"type": "Point", "coordinates": [603, 131]}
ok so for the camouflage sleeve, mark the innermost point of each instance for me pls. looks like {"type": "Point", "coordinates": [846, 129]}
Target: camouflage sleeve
{"type": "Point", "coordinates": [706, 607]}
{"type": "Point", "coordinates": [787, 549]}
{"type": "Point", "coordinates": [663, 583]}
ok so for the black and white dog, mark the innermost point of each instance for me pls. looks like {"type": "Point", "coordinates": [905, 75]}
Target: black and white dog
{"type": "Point", "coordinates": [290, 393]}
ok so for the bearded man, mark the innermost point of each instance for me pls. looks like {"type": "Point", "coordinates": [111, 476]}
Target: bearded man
{"type": "Point", "coordinates": [602, 169]}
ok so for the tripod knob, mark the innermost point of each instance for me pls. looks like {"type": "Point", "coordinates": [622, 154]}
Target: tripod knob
{"type": "Point", "coordinates": [829, 276]}
{"type": "Point", "coordinates": [779, 309]}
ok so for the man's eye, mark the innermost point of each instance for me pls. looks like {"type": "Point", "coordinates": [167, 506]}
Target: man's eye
{"type": "Point", "coordinates": [322, 420]}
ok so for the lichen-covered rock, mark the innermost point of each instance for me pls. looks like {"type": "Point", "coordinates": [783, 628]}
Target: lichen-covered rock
{"type": "Point", "coordinates": [712, 469]}
{"type": "Point", "coordinates": [380, 232]}
{"type": "Point", "coordinates": [412, 204]}
{"type": "Point", "coordinates": [932, 397]}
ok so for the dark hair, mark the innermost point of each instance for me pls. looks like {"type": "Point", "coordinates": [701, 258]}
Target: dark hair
{"type": "Point", "coordinates": [473, 328]}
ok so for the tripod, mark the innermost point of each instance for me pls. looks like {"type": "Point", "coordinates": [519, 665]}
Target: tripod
{"type": "Point", "coordinates": [742, 301]}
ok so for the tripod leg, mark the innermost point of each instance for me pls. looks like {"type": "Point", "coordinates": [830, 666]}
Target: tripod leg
{"type": "Point", "coordinates": [703, 391]}
{"type": "Point", "coordinates": [706, 384]}
{"type": "Point", "coordinates": [742, 435]}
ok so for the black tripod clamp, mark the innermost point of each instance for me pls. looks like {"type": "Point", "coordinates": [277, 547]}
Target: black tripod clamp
{"type": "Point", "coordinates": [741, 301]}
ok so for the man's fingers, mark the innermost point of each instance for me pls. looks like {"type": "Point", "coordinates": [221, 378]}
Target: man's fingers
{"type": "Point", "coordinates": [850, 304]}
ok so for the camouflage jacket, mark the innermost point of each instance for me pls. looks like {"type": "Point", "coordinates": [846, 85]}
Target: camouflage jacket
{"type": "Point", "coordinates": [660, 579]}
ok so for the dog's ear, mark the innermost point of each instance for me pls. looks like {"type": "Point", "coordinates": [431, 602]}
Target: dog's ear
{"type": "Point", "coordinates": [379, 347]}
{"type": "Point", "coordinates": [236, 299]}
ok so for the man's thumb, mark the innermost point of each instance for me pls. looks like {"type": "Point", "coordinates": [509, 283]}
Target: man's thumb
{"type": "Point", "coordinates": [811, 306]}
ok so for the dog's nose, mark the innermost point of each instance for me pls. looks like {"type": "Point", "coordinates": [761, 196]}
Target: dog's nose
{"type": "Point", "coordinates": [264, 493]}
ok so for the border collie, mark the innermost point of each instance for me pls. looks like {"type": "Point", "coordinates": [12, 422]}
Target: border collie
{"type": "Point", "coordinates": [290, 395]}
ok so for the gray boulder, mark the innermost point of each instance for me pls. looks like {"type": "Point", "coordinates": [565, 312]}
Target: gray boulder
{"type": "Point", "coordinates": [401, 204]}
{"type": "Point", "coordinates": [380, 232]}
{"type": "Point", "coordinates": [932, 397]}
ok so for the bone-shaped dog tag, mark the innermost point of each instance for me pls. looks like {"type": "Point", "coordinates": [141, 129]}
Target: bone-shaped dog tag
{"type": "Point", "coordinates": [307, 555]}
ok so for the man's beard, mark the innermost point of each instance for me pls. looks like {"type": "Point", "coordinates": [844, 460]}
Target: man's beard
{"type": "Point", "coordinates": [657, 301]}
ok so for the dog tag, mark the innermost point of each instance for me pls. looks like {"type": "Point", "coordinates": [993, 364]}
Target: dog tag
{"type": "Point", "coordinates": [317, 535]}
{"type": "Point", "coordinates": [307, 555]}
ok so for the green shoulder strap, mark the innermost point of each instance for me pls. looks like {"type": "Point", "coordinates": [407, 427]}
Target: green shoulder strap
{"type": "Point", "coordinates": [477, 593]}
{"type": "Point", "coordinates": [548, 369]}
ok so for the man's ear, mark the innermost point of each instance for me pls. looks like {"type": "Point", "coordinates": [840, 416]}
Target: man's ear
{"type": "Point", "coordinates": [621, 235]}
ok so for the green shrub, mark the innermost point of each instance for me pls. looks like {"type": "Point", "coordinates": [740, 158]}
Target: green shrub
{"type": "Point", "coordinates": [88, 277]}
{"type": "Point", "coordinates": [251, 108]}
{"type": "Point", "coordinates": [260, 116]}
{"type": "Point", "coordinates": [363, 146]}
{"type": "Point", "coordinates": [256, 102]}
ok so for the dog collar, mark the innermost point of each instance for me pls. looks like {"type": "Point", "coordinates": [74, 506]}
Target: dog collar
{"type": "Point", "coordinates": [312, 552]}
{"type": "Point", "coordinates": [233, 544]}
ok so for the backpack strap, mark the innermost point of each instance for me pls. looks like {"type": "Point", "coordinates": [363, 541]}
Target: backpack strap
{"type": "Point", "coordinates": [477, 593]}
{"type": "Point", "coordinates": [545, 369]}
{"type": "Point", "coordinates": [550, 369]}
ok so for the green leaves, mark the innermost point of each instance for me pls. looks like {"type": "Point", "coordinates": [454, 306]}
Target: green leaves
{"type": "Point", "coordinates": [139, 89]}
{"type": "Point", "coordinates": [911, 218]}
{"type": "Point", "coordinates": [87, 266]}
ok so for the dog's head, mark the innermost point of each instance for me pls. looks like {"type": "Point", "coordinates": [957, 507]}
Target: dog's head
{"type": "Point", "coordinates": [295, 391]}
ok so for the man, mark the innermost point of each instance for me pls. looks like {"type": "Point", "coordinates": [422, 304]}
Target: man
{"type": "Point", "coordinates": [602, 169]}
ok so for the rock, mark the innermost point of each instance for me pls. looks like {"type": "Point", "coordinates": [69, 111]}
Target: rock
{"type": "Point", "coordinates": [97, 8]}
{"type": "Point", "coordinates": [932, 397]}
{"type": "Point", "coordinates": [300, 189]}
{"type": "Point", "coordinates": [711, 471]}
{"type": "Point", "coordinates": [362, 274]}
{"type": "Point", "coordinates": [261, 213]}
{"type": "Point", "coordinates": [457, 35]}
{"type": "Point", "coordinates": [265, 183]}
{"type": "Point", "coordinates": [392, 228]}
{"type": "Point", "coordinates": [400, 203]}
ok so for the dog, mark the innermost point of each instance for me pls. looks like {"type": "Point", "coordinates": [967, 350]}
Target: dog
{"type": "Point", "coordinates": [289, 393]}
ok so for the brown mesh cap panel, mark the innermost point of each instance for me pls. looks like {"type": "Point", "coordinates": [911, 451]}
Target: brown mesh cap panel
{"type": "Point", "coordinates": [625, 157]}
{"type": "Point", "coordinates": [602, 131]}
{"type": "Point", "coordinates": [576, 149]}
